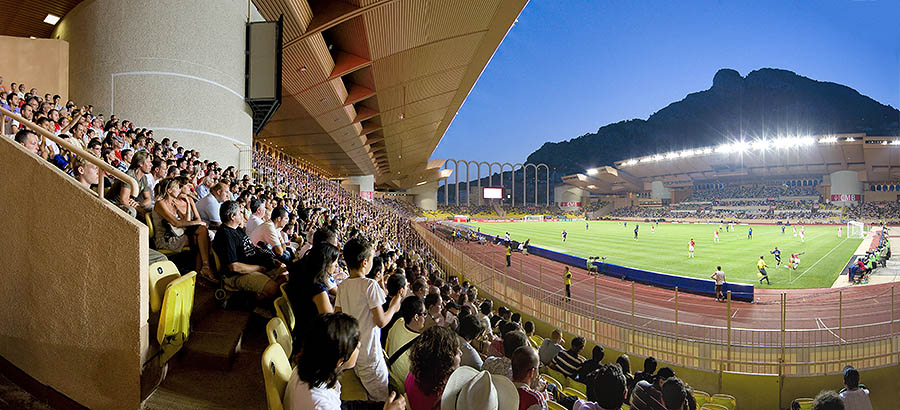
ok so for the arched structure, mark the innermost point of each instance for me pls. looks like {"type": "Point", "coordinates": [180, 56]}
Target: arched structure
{"type": "Point", "coordinates": [490, 165]}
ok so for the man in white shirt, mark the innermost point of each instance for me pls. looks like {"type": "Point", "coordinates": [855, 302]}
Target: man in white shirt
{"type": "Point", "coordinates": [208, 207]}
{"type": "Point", "coordinates": [719, 277]}
{"type": "Point", "coordinates": [270, 232]}
{"type": "Point", "coordinates": [855, 397]}
{"type": "Point", "coordinates": [407, 328]}
{"type": "Point", "coordinates": [257, 211]}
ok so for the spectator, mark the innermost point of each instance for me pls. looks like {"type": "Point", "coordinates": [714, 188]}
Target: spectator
{"type": "Point", "coordinates": [120, 193]}
{"type": "Point", "coordinates": [393, 285]}
{"type": "Point", "coordinates": [606, 389]}
{"type": "Point", "coordinates": [525, 362]}
{"type": "Point", "coordinates": [362, 298]}
{"type": "Point", "coordinates": [29, 140]}
{"type": "Point", "coordinates": [828, 400]}
{"type": "Point", "coordinates": [469, 329]}
{"type": "Point", "coordinates": [331, 346]}
{"type": "Point", "coordinates": [502, 366]}
{"type": "Point", "coordinates": [568, 362]}
{"type": "Point", "coordinates": [649, 369]}
{"type": "Point", "coordinates": [269, 234]}
{"type": "Point", "coordinates": [208, 207]}
{"type": "Point", "coordinates": [258, 212]}
{"type": "Point", "coordinates": [677, 396]}
{"type": "Point", "coordinates": [484, 311]}
{"type": "Point", "coordinates": [400, 339]}
{"type": "Point", "coordinates": [854, 395]}
{"type": "Point", "coordinates": [177, 224]}
{"type": "Point", "coordinates": [434, 305]}
{"type": "Point", "coordinates": [85, 172]}
{"type": "Point", "coordinates": [625, 364]}
{"type": "Point", "coordinates": [592, 364]}
{"type": "Point", "coordinates": [243, 265]}
{"type": "Point", "coordinates": [647, 394]}
{"type": "Point", "coordinates": [307, 289]}
{"type": "Point", "coordinates": [433, 358]}
{"type": "Point", "coordinates": [468, 388]}
{"type": "Point", "coordinates": [550, 347]}
{"type": "Point", "coordinates": [528, 328]}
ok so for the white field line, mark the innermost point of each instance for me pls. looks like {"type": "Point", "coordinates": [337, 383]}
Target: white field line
{"type": "Point", "coordinates": [830, 331]}
{"type": "Point", "coordinates": [817, 262]}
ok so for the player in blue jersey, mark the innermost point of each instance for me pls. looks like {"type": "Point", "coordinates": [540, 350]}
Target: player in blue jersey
{"type": "Point", "coordinates": [636, 226]}
{"type": "Point", "coordinates": [564, 235]}
{"type": "Point", "coordinates": [777, 254]}
{"type": "Point", "coordinates": [750, 233]}
{"type": "Point", "coordinates": [782, 229]}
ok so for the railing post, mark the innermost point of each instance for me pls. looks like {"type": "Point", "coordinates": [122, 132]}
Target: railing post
{"type": "Point", "coordinates": [840, 325]}
{"type": "Point", "coordinates": [594, 310]}
{"type": "Point", "coordinates": [676, 324]}
{"type": "Point", "coordinates": [728, 351]}
{"type": "Point", "coordinates": [892, 322]}
{"type": "Point", "coordinates": [783, 314]}
{"type": "Point", "coordinates": [632, 317]}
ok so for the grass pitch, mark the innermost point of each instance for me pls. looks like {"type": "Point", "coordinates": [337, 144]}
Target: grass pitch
{"type": "Point", "coordinates": [666, 249]}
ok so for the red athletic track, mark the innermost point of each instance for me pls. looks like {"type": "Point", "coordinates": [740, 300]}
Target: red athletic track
{"type": "Point", "coordinates": [812, 315]}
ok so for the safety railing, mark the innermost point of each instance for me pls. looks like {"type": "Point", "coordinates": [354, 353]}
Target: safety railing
{"type": "Point", "coordinates": [74, 149]}
{"type": "Point", "coordinates": [859, 331]}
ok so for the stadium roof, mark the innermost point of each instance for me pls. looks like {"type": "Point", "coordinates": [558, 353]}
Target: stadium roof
{"type": "Point", "coordinates": [370, 86]}
{"type": "Point", "coordinates": [877, 158]}
{"type": "Point", "coordinates": [26, 18]}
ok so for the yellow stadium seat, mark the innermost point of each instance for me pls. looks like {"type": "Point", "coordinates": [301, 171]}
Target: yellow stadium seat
{"type": "Point", "coordinates": [701, 397]}
{"type": "Point", "coordinates": [161, 274]}
{"type": "Point", "coordinates": [580, 387]}
{"type": "Point", "coordinates": [555, 374]}
{"type": "Point", "coordinates": [283, 288]}
{"type": "Point", "coordinates": [536, 341]}
{"type": "Point", "coordinates": [175, 315]}
{"type": "Point", "coordinates": [351, 388]}
{"type": "Point", "coordinates": [277, 332]}
{"type": "Point", "coordinates": [568, 391]}
{"type": "Point", "coordinates": [148, 220]}
{"type": "Point", "coordinates": [276, 373]}
{"type": "Point", "coordinates": [805, 403]}
{"type": "Point", "coordinates": [625, 406]}
{"type": "Point", "coordinates": [552, 405]}
{"type": "Point", "coordinates": [284, 311]}
{"type": "Point", "coordinates": [713, 406]}
{"type": "Point", "coordinates": [553, 381]}
{"type": "Point", "coordinates": [724, 400]}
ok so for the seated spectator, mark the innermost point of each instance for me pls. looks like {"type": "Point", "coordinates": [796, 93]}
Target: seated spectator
{"type": "Point", "coordinates": [677, 396]}
{"type": "Point", "coordinates": [606, 389]}
{"type": "Point", "coordinates": [625, 364]}
{"type": "Point", "coordinates": [29, 140]}
{"type": "Point", "coordinates": [503, 365]}
{"type": "Point", "coordinates": [451, 315]}
{"type": "Point", "coordinates": [568, 362]}
{"type": "Point", "coordinates": [208, 207]}
{"type": "Point", "coordinates": [649, 369]}
{"type": "Point", "coordinates": [85, 172]}
{"type": "Point", "coordinates": [120, 193]}
{"type": "Point", "coordinates": [468, 388]}
{"type": "Point", "coordinates": [331, 346]}
{"type": "Point", "coordinates": [550, 347]}
{"type": "Point", "coordinates": [393, 285]}
{"type": "Point", "coordinates": [434, 305]}
{"type": "Point", "coordinates": [854, 395]}
{"type": "Point", "coordinates": [307, 289]}
{"type": "Point", "coordinates": [400, 339]}
{"type": "Point", "coordinates": [525, 362]}
{"type": "Point", "coordinates": [433, 358]}
{"type": "Point", "coordinates": [269, 234]}
{"type": "Point", "coordinates": [828, 400]}
{"type": "Point", "coordinates": [362, 298]}
{"type": "Point", "coordinates": [528, 328]}
{"type": "Point", "coordinates": [257, 215]}
{"type": "Point", "coordinates": [177, 224]}
{"type": "Point", "coordinates": [484, 311]}
{"type": "Point", "coordinates": [591, 364]}
{"type": "Point", "coordinates": [469, 329]}
{"type": "Point", "coordinates": [647, 394]}
{"type": "Point", "coordinates": [243, 265]}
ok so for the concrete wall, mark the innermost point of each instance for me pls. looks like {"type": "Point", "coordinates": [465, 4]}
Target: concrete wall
{"type": "Point", "coordinates": [659, 191]}
{"type": "Point", "coordinates": [874, 196]}
{"type": "Point", "coordinates": [845, 182]}
{"type": "Point", "coordinates": [74, 294]}
{"type": "Point", "coordinates": [176, 67]}
{"type": "Point", "coordinates": [38, 63]}
{"type": "Point", "coordinates": [568, 194]}
{"type": "Point", "coordinates": [425, 196]}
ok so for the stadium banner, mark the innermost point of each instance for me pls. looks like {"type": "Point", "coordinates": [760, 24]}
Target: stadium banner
{"type": "Point", "coordinates": [705, 287]}
{"type": "Point", "coordinates": [569, 204]}
{"type": "Point", "coordinates": [845, 197]}
{"type": "Point", "coordinates": [367, 195]}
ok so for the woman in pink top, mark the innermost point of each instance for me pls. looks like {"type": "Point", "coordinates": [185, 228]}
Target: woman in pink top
{"type": "Point", "coordinates": [433, 357]}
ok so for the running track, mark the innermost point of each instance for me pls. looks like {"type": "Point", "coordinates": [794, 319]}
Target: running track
{"type": "Point", "coordinates": [812, 315]}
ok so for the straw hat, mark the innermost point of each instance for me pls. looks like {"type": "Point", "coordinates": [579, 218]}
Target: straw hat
{"type": "Point", "coordinates": [468, 388]}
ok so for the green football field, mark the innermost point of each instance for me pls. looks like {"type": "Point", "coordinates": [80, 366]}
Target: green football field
{"type": "Point", "coordinates": [666, 249]}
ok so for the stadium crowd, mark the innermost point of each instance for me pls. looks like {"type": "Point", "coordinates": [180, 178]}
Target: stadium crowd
{"type": "Point", "coordinates": [770, 190]}
{"type": "Point", "coordinates": [364, 287]}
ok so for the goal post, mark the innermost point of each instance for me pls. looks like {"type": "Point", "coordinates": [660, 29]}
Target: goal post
{"type": "Point", "coordinates": [855, 229]}
{"type": "Point", "coordinates": [534, 218]}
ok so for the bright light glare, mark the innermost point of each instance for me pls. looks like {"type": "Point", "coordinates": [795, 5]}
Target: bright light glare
{"type": "Point", "coordinates": [672, 155]}
{"type": "Point", "coordinates": [895, 142]}
{"type": "Point", "coordinates": [828, 140]}
{"type": "Point", "coordinates": [707, 150]}
{"type": "Point", "coordinates": [760, 145]}
{"type": "Point", "coordinates": [592, 171]}
{"type": "Point", "coordinates": [646, 159]}
{"type": "Point", "coordinates": [686, 153]}
{"type": "Point", "coordinates": [657, 157]}
{"type": "Point", "coordinates": [51, 19]}
{"type": "Point", "coordinates": [850, 139]}
{"type": "Point", "coordinates": [592, 187]}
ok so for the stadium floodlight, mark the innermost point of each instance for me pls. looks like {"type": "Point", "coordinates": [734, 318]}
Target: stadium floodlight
{"type": "Point", "coordinates": [646, 159]}
{"type": "Point", "coordinates": [724, 148]}
{"type": "Point", "coordinates": [672, 155]}
{"type": "Point", "coordinates": [895, 142]}
{"type": "Point", "coordinates": [850, 139]}
{"type": "Point", "coordinates": [51, 19]}
{"type": "Point", "coordinates": [686, 153]}
{"type": "Point", "coordinates": [828, 140]}
{"type": "Point", "coordinates": [707, 150]}
{"type": "Point", "coordinates": [657, 157]}
{"type": "Point", "coordinates": [760, 145]}
{"type": "Point", "coordinates": [631, 162]}
{"type": "Point", "coordinates": [592, 171]}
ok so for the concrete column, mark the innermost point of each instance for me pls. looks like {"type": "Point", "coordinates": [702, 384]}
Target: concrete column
{"type": "Point", "coordinates": [568, 197]}
{"type": "Point", "coordinates": [845, 184]}
{"type": "Point", "coordinates": [176, 67]}
{"type": "Point", "coordinates": [366, 184]}
{"type": "Point", "coordinates": [425, 196]}
{"type": "Point", "coordinates": [659, 191]}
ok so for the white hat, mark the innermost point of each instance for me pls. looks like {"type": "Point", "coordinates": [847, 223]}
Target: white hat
{"type": "Point", "coordinates": [468, 389]}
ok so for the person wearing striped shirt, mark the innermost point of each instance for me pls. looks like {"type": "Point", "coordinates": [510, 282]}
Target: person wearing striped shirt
{"type": "Point", "coordinates": [568, 362]}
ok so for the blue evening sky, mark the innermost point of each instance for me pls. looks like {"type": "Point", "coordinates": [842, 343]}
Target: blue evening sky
{"type": "Point", "coordinates": [568, 67]}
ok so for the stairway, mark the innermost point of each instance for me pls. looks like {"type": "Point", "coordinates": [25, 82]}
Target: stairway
{"type": "Point", "coordinates": [499, 209]}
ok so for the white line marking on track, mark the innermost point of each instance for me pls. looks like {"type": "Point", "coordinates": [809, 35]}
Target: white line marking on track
{"type": "Point", "coordinates": [830, 331]}
{"type": "Point", "coordinates": [817, 262]}
{"type": "Point", "coordinates": [735, 313]}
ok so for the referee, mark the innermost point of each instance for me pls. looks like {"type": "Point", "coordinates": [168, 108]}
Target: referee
{"type": "Point", "coordinates": [761, 265]}
{"type": "Point", "coordinates": [508, 254]}
{"type": "Point", "coordinates": [568, 277]}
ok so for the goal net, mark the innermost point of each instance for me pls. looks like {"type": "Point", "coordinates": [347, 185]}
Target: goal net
{"type": "Point", "coordinates": [855, 229]}
{"type": "Point", "coordinates": [534, 218]}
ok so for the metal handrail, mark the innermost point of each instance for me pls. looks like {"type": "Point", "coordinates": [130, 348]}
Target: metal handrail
{"type": "Point", "coordinates": [89, 157]}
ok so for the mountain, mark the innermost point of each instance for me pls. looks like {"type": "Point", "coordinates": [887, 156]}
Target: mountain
{"type": "Point", "coordinates": [764, 103]}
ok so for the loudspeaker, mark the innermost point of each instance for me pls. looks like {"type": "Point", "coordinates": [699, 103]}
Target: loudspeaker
{"type": "Point", "coordinates": [262, 85]}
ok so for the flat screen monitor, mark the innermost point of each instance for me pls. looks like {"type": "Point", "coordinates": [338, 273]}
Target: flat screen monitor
{"type": "Point", "coordinates": [493, 193]}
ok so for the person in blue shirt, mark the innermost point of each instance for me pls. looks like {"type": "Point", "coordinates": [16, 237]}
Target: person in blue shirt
{"type": "Point", "coordinates": [636, 231]}
{"type": "Point", "coordinates": [782, 229]}
{"type": "Point", "coordinates": [777, 254]}
{"type": "Point", "coordinates": [750, 233]}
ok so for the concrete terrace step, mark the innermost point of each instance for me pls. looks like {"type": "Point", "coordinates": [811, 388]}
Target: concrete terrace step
{"type": "Point", "coordinates": [215, 340]}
